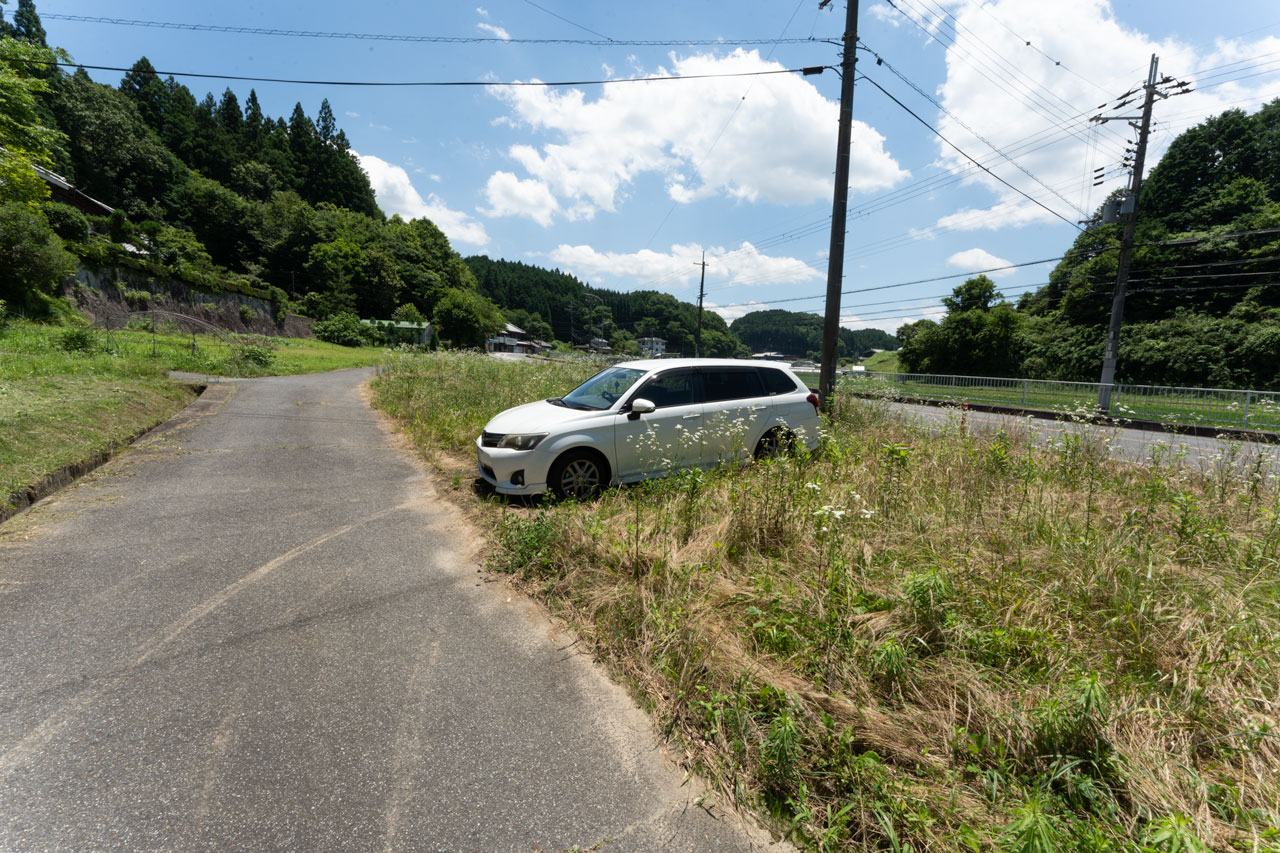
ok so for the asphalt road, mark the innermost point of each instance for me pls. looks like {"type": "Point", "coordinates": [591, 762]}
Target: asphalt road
{"type": "Point", "coordinates": [261, 630]}
{"type": "Point", "coordinates": [1204, 453]}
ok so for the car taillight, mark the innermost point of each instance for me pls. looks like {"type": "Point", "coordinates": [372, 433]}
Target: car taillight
{"type": "Point", "coordinates": [813, 399]}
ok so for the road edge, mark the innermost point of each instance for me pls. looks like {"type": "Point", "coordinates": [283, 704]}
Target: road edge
{"type": "Point", "coordinates": [52, 483]}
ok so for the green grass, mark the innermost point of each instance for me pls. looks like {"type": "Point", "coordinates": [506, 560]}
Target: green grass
{"type": "Point", "coordinates": [69, 392]}
{"type": "Point", "coordinates": [882, 362]}
{"type": "Point", "coordinates": [1184, 408]}
{"type": "Point", "coordinates": [924, 641]}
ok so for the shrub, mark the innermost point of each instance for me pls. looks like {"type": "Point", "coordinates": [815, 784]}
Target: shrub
{"type": "Point", "coordinates": [344, 329]}
{"type": "Point", "coordinates": [67, 222]}
{"type": "Point", "coordinates": [247, 314]}
{"type": "Point", "coordinates": [35, 261]}
{"type": "Point", "coordinates": [77, 340]}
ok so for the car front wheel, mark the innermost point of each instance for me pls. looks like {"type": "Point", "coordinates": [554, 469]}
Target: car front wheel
{"type": "Point", "coordinates": [579, 474]}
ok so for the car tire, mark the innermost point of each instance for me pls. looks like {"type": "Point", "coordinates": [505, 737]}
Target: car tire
{"type": "Point", "coordinates": [775, 442]}
{"type": "Point", "coordinates": [578, 474]}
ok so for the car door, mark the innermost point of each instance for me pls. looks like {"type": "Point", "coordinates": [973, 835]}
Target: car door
{"type": "Point", "coordinates": [650, 444]}
{"type": "Point", "coordinates": [735, 411]}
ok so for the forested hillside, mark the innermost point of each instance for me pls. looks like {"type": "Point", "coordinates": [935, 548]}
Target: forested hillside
{"type": "Point", "coordinates": [1204, 303]}
{"type": "Point", "coordinates": [207, 190]}
{"type": "Point", "coordinates": [799, 333]}
{"type": "Point", "coordinates": [550, 303]}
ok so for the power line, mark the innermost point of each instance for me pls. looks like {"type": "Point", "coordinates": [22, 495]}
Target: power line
{"type": "Point", "coordinates": [1024, 93]}
{"type": "Point", "coordinates": [881, 61]}
{"type": "Point", "coordinates": [448, 83]}
{"type": "Point", "coordinates": [569, 22]}
{"type": "Point", "coordinates": [604, 41]}
{"type": "Point", "coordinates": [966, 156]}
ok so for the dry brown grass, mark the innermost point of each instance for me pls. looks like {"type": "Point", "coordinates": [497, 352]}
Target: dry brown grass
{"type": "Point", "coordinates": [927, 640]}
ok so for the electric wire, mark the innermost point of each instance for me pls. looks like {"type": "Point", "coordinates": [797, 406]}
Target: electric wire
{"type": "Point", "coordinates": [420, 83]}
{"type": "Point", "coordinates": [604, 41]}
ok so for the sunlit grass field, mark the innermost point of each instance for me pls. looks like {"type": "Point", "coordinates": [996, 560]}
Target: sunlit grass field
{"type": "Point", "coordinates": [916, 640]}
{"type": "Point", "coordinates": [69, 392]}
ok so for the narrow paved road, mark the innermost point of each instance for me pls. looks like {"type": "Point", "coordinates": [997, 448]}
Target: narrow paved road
{"type": "Point", "coordinates": [260, 630]}
{"type": "Point", "coordinates": [1203, 453]}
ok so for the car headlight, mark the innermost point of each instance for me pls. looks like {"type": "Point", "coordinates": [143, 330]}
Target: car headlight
{"type": "Point", "coordinates": [517, 441]}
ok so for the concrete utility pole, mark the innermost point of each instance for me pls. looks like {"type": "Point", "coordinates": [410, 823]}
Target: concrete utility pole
{"type": "Point", "coordinates": [702, 289]}
{"type": "Point", "coordinates": [1107, 382]}
{"type": "Point", "coordinates": [839, 202]}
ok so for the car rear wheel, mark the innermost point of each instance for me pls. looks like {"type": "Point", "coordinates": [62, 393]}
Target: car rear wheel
{"type": "Point", "coordinates": [579, 474]}
{"type": "Point", "coordinates": [775, 442]}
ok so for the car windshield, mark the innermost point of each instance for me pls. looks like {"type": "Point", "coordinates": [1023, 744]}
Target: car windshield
{"type": "Point", "coordinates": [602, 390]}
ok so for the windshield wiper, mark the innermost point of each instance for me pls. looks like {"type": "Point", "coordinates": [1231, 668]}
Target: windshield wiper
{"type": "Point", "coordinates": [557, 401]}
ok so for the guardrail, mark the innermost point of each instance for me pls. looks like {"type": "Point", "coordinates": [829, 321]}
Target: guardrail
{"type": "Point", "coordinates": [1242, 409]}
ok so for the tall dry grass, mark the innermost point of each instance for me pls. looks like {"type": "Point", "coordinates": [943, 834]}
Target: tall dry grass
{"type": "Point", "coordinates": [934, 640]}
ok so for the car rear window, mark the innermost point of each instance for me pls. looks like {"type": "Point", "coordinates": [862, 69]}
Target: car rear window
{"type": "Point", "coordinates": [776, 382]}
{"type": "Point", "coordinates": [731, 384]}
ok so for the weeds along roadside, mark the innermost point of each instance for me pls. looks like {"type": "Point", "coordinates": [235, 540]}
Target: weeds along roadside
{"type": "Point", "coordinates": [922, 640]}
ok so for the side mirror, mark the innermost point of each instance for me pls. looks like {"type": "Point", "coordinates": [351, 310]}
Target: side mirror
{"type": "Point", "coordinates": [640, 407]}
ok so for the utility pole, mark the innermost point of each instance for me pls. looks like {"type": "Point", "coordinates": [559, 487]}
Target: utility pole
{"type": "Point", "coordinates": [702, 289]}
{"type": "Point", "coordinates": [1107, 382]}
{"type": "Point", "coordinates": [840, 201]}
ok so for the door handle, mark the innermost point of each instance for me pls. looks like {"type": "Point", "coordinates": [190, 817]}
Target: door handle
{"type": "Point", "coordinates": [692, 415]}
{"type": "Point", "coordinates": [758, 408]}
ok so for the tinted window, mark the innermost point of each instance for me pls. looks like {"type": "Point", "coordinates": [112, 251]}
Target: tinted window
{"type": "Point", "coordinates": [731, 384]}
{"type": "Point", "coordinates": [674, 389]}
{"type": "Point", "coordinates": [776, 382]}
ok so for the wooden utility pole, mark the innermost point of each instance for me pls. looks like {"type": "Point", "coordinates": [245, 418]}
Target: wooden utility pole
{"type": "Point", "coordinates": [839, 203]}
{"type": "Point", "coordinates": [1107, 382]}
{"type": "Point", "coordinates": [702, 289]}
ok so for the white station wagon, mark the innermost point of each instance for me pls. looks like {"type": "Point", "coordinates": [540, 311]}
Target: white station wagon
{"type": "Point", "coordinates": [642, 419]}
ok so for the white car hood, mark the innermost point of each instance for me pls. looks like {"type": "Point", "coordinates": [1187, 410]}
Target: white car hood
{"type": "Point", "coordinates": [538, 417]}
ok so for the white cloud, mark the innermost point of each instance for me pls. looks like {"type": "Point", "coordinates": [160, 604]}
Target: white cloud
{"type": "Point", "coordinates": [351, 114]}
{"type": "Point", "coordinates": [1018, 97]}
{"type": "Point", "coordinates": [482, 11]}
{"type": "Point", "coordinates": [735, 310]}
{"type": "Point", "coordinates": [679, 266]}
{"type": "Point", "coordinates": [777, 144]}
{"type": "Point", "coordinates": [499, 32]}
{"type": "Point", "coordinates": [885, 13]}
{"type": "Point", "coordinates": [508, 195]}
{"type": "Point", "coordinates": [396, 194]}
{"type": "Point", "coordinates": [980, 259]}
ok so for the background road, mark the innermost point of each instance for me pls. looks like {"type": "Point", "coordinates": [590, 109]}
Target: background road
{"type": "Point", "coordinates": [260, 630]}
{"type": "Point", "coordinates": [1134, 445]}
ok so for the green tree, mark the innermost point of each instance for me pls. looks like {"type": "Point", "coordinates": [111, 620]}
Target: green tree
{"type": "Point", "coordinates": [25, 141]}
{"type": "Point", "coordinates": [26, 25]}
{"type": "Point", "coordinates": [35, 262]}
{"type": "Point", "coordinates": [115, 156]}
{"type": "Point", "coordinates": [466, 318]}
{"type": "Point", "coordinates": [975, 294]}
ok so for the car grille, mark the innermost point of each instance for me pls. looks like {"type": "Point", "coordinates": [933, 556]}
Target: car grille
{"type": "Point", "coordinates": [490, 439]}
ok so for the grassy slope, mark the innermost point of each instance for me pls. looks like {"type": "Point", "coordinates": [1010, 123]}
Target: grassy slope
{"type": "Point", "coordinates": [926, 642]}
{"type": "Point", "coordinates": [882, 362]}
{"type": "Point", "coordinates": [58, 407]}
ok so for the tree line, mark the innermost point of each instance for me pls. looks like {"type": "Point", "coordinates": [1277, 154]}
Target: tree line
{"type": "Point", "coordinates": [213, 191]}
{"type": "Point", "coordinates": [1203, 308]}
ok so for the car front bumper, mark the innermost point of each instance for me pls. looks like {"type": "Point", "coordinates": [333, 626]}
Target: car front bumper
{"type": "Point", "coordinates": [497, 466]}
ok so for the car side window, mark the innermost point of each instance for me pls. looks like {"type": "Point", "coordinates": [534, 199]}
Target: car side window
{"type": "Point", "coordinates": [731, 385]}
{"type": "Point", "coordinates": [776, 382]}
{"type": "Point", "coordinates": [673, 389]}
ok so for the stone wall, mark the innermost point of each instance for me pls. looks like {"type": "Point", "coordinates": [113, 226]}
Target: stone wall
{"type": "Point", "coordinates": [109, 297]}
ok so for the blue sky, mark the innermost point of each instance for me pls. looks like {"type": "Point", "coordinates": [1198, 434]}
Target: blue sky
{"type": "Point", "coordinates": [627, 184]}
